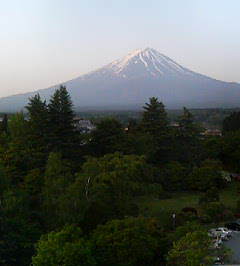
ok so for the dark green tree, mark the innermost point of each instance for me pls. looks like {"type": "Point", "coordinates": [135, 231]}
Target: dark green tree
{"type": "Point", "coordinates": [182, 230]}
{"type": "Point", "coordinates": [187, 139]}
{"type": "Point", "coordinates": [20, 155]}
{"type": "Point", "coordinates": [230, 151]}
{"type": "Point", "coordinates": [231, 123]}
{"type": "Point", "coordinates": [57, 178]}
{"type": "Point", "coordinates": [155, 123]}
{"type": "Point", "coordinates": [106, 188]}
{"type": "Point", "coordinates": [4, 124]}
{"type": "Point", "coordinates": [215, 212]}
{"type": "Point", "coordinates": [212, 147]}
{"type": "Point", "coordinates": [33, 184]}
{"type": "Point", "coordinates": [38, 129]}
{"type": "Point", "coordinates": [108, 137]}
{"type": "Point", "coordinates": [18, 233]}
{"type": "Point", "coordinates": [187, 128]}
{"type": "Point", "coordinates": [132, 126]}
{"type": "Point", "coordinates": [192, 249]}
{"type": "Point", "coordinates": [129, 242]}
{"type": "Point", "coordinates": [204, 178]}
{"type": "Point", "coordinates": [38, 113]}
{"type": "Point", "coordinates": [63, 137]}
{"type": "Point", "coordinates": [154, 120]}
{"type": "Point", "coordinates": [173, 177]}
{"type": "Point", "coordinates": [38, 120]}
{"type": "Point", "coordinates": [65, 248]}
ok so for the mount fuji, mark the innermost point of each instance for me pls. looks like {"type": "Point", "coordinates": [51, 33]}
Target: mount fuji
{"type": "Point", "coordinates": [130, 81]}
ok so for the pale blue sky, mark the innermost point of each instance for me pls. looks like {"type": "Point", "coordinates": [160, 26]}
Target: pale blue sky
{"type": "Point", "coordinates": [45, 42]}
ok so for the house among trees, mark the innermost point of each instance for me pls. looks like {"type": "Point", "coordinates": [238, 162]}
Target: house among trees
{"type": "Point", "coordinates": [83, 125]}
{"type": "Point", "coordinates": [212, 132]}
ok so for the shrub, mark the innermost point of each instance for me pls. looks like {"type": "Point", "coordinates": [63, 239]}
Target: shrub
{"type": "Point", "coordinates": [129, 242]}
{"type": "Point", "coordinates": [173, 177]}
{"type": "Point", "coordinates": [191, 249]}
{"type": "Point", "coordinates": [203, 178]}
{"type": "Point", "coordinates": [66, 247]}
{"type": "Point", "coordinates": [216, 212]}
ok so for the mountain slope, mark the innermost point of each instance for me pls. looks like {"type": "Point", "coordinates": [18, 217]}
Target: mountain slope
{"type": "Point", "coordinates": [130, 81]}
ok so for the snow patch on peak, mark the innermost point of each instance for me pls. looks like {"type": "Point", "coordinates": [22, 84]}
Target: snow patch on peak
{"type": "Point", "coordinates": [120, 64]}
{"type": "Point", "coordinates": [146, 61]}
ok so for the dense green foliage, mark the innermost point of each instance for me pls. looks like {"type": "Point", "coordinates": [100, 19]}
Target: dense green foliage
{"type": "Point", "coordinates": [192, 250]}
{"type": "Point", "coordinates": [115, 242]}
{"type": "Point", "coordinates": [69, 197]}
{"type": "Point", "coordinates": [232, 122]}
{"type": "Point", "coordinates": [65, 248]}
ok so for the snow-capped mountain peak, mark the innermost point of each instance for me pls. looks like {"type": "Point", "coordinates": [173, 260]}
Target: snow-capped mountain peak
{"type": "Point", "coordinates": [144, 62]}
{"type": "Point", "coordinates": [130, 81]}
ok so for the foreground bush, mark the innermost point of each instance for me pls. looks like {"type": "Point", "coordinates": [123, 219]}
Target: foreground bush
{"type": "Point", "coordinates": [215, 212]}
{"type": "Point", "coordinates": [194, 249]}
{"type": "Point", "coordinates": [65, 248]}
{"type": "Point", "coordinates": [129, 242]}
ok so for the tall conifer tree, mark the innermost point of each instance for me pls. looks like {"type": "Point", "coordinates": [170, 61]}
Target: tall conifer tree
{"type": "Point", "coordinates": [154, 119]}
{"type": "Point", "coordinates": [231, 123]}
{"type": "Point", "coordinates": [4, 125]}
{"type": "Point", "coordinates": [38, 120]}
{"type": "Point", "coordinates": [155, 123]}
{"type": "Point", "coordinates": [188, 138]}
{"type": "Point", "coordinates": [61, 119]}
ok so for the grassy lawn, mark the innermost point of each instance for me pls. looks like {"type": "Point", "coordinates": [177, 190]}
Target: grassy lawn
{"type": "Point", "coordinates": [154, 207]}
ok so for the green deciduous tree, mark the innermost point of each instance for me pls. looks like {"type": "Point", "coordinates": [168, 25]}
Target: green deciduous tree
{"type": "Point", "coordinates": [194, 249]}
{"type": "Point", "coordinates": [129, 242]}
{"type": "Point", "coordinates": [204, 178]}
{"type": "Point", "coordinates": [215, 212]}
{"type": "Point", "coordinates": [33, 184]}
{"type": "Point", "coordinates": [106, 189]}
{"type": "Point", "coordinates": [18, 232]}
{"type": "Point", "coordinates": [182, 230]}
{"type": "Point", "coordinates": [230, 151]}
{"type": "Point", "coordinates": [19, 155]}
{"type": "Point", "coordinates": [65, 248]}
{"type": "Point", "coordinates": [231, 123]}
{"type": "Point", "coordinates": [108, 137]}
{"type": "Point", "coordinates": [57, 178]}
{"type": "Point", "coordinates": [173, 176]}
{"type": "Point", "coordinates": [212, 147]}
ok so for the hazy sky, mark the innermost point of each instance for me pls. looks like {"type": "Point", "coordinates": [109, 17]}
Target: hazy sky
{"type": "Point", "coordinates": [45, 42]}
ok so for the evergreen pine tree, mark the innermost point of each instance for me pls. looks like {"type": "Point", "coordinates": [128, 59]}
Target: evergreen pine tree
{"type": "Point", "coordinates": [154, 119]}
{"type": "Point", "coordinates": [38, 121]}
{"type": "Point", "coordinates": [107, 137]}
{"type": "Point", "coordinates": [187, 138]}
{"type": "Point", "coordinates": [187, 127]}
{"type": "Point", "coordinates": [231, 123]}
{"type": "Point", "coordinates": [61, 119]}
{"type": "Point", "coordinates": [155, 123]}
{"type": "Point", "coordinates": [4, 125]}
